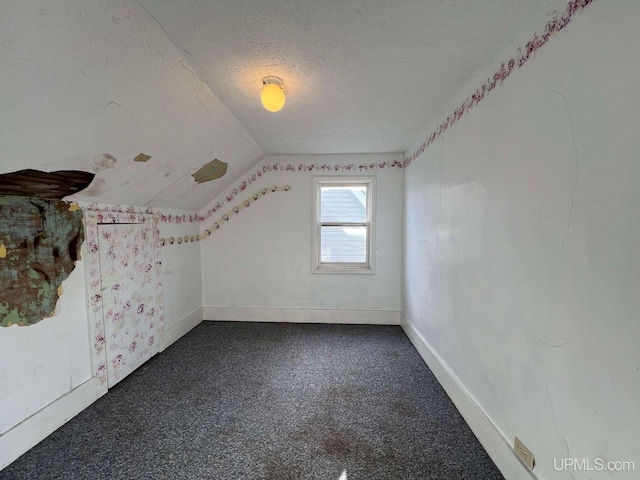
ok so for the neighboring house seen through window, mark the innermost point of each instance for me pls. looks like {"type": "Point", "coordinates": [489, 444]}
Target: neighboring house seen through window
{"type": "Point", "coordinates": [343, 222]}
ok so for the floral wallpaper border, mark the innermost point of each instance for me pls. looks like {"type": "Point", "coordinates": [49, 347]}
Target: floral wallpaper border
{"type": "Point", "coordinates": [130, 210]}
{"type": "Point", "coordinates": [242, 186]}
{"type": "Point", "coordinates": [298, 168]}
{"type": "Point", "coordinates": [553, 26]}
{"type": "Point", "coordinates": [225, 218]}
{"type": "Point", "coordinates": [94, 284]}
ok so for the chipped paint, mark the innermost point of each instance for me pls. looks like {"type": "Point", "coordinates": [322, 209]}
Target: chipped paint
{"type": "Point", "coordinates": [142, 157]}
{"type": "Point", "coordinates": [73, 207]}
{"type": "Point", "coordinates": [3, 251]}
{"type": "Point", "coordinates": [42, 239]}
{"type": "Point", "coordinates": [104, 161]}
{"type": "Point", "coordinates": [211, 171]}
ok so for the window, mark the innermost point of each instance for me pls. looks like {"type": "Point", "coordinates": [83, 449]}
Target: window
{"type": "Point", "coordinates": [343, 224]}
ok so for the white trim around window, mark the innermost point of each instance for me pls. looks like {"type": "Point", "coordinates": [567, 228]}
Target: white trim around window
{"type": "Point", "coordinates": [364, 191]}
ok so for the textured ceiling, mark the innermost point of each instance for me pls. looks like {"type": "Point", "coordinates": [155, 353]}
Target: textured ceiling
{"type": "Point", "coordinates": [92, 86]}
{"type": "Point", "coordinates": [360, 75]}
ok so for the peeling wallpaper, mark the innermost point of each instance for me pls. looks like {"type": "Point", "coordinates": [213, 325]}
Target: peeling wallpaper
{"type": "Point", "coordinates": [41, 241]}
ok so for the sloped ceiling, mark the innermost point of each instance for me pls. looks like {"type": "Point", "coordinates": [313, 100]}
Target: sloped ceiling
{"type": "Point", "coordinates": [91, 85]}
{"type": "Point", "coordinates": [360, 75]}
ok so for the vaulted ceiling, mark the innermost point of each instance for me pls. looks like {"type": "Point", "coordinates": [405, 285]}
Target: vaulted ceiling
{"type": "Point", "coordinates": [91, 86]}
{"type": "Point", "coordinates": [360, 75]}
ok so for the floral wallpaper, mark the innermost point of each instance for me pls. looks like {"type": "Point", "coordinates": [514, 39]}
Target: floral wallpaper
{"type": "Point", "coordinates": [124, 279]}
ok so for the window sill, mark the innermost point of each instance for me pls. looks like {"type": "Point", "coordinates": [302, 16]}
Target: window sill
{"type": "Point", "coordinates": [342, 269]}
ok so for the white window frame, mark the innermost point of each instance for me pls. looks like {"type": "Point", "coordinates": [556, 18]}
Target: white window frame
{"type": "Point", "coordinates": [343, 267]}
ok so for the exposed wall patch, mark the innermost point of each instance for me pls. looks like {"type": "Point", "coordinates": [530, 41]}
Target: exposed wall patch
{"type": "Point", "coordinates": [41, 240]}
{"type": "Point", "coordinates": [142, 157]}
{"type": "Point", "coordinates": [3, 251]}
{"type": "Point", "coordinates": [104, 161]}
{"type": "Point", "coordinates": [50, 185]}
{"type": "Point", "coordinates": [211, 171]}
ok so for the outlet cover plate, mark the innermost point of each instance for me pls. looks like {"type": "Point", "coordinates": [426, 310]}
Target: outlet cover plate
{"type": "Point", "coordinates": [524, 454]}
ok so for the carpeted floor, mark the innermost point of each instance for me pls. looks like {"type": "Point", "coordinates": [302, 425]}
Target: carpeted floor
{"type": "Point", "coordinates": [266, 401]}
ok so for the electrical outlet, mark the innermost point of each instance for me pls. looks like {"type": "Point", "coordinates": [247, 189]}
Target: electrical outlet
{"type": "Point", "coordinates": [524, 454]}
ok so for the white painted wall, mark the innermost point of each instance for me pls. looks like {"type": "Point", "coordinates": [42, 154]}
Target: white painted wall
{"type": "Point", "coordinates": [81, 79]}
{"type": "Point", "coordinates": [40, 365]}
{"type": "Point", "coordinates": [46, 368]}
{"type": "Point", "coordinates": [261, 258]}
{"type": "Point", "coordinates": [182, 277]}
{"type": "Point", "coordinates": [42, 362]}
{"type": "Point", "coordinates": [521, 260]}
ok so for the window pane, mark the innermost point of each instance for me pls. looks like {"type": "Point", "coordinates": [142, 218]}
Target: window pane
{"type": "Point", "coordinates": [343, 244]}
{"type": "Point", "coordinates": [343, 203]}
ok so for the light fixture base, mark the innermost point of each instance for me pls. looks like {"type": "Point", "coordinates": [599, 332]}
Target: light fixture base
{"type": "Point", "coordinates": [272, 80]}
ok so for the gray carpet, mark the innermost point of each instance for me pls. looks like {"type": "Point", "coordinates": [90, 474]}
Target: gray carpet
{"type": "Point", "coordinates": [271, 402]}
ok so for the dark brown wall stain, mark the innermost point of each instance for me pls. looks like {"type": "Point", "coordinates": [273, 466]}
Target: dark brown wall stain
{"type": "Point", "coordinates": [53, 185]}
{"type": "Point", "coordinates": [42, 240]}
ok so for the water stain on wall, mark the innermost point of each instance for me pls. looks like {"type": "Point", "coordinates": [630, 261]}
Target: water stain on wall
{"type": "Point", "coordinates": [42, 240]}
{"type": "Point", "coordinates": [211, 171]}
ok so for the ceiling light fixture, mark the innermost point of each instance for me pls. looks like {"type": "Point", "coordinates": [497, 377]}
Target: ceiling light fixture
{"type": "Point", "coordinates": [272, 95]}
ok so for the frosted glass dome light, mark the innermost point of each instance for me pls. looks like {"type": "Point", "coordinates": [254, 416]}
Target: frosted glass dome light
{"type": "Point", "coordinates": [272, 95]}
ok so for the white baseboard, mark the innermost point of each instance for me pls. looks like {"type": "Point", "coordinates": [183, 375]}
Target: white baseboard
{"type": "Point", "coordinates": [498, 448]}
{"type": "Point", "coordinates": [37, 427]}
{"type": "Point", "coordinates": [302, 315]}
{"type": "Point", "coordinates": [182, 327]}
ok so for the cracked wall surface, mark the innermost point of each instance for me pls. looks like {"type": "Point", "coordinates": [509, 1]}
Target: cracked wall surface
{"type": "Point", "coordinates": [42, 239]}
{"type": "Point", "coordinates": [520, 250]}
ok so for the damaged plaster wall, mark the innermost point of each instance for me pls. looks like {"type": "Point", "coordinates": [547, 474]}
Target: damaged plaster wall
{"type": "Point", "coordinates": [52, 360]}
{"type": "Point", "coordinates": [44, 347]}
{"type": "Point", "coordinates": [89, 86]}
{"type": "Point", "coordinates": [41, 363]}
{"type": "Point", "coordinates": [42, 240]}
{"type": "Point", "coordinates": [521, 248]}
{"type": "Point", "coordinates": [81, 80]}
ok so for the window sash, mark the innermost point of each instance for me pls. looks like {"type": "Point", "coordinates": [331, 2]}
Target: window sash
{"type": "Point", "coordinates": [320, 266]}
{"type": "Point", "coordinates": [366, 226]}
